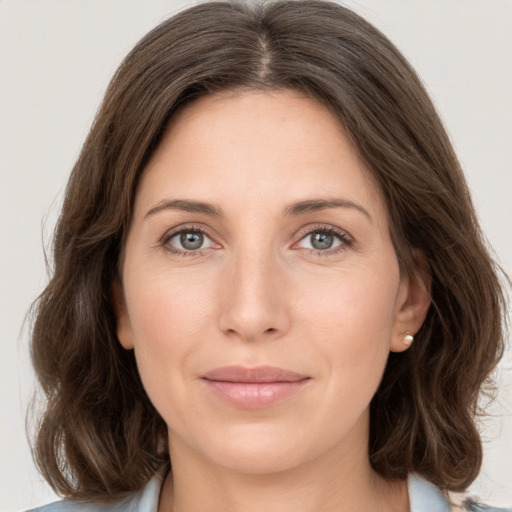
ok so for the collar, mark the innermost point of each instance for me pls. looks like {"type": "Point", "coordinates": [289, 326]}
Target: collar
{"type": "Point", "coordinates": [424, 496]}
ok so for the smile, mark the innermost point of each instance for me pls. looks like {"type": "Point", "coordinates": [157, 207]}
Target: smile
{"type": "Point", "coordinates": [253, 388]}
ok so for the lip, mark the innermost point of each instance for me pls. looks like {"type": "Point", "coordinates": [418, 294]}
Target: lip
{"type": "Point", "coordinates": [253, 388]}
{"type": "Point", "coordinates": [259, 374]}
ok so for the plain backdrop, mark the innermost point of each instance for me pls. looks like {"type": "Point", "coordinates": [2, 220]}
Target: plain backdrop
{"type": "Point", "coordinates": [56, 58]}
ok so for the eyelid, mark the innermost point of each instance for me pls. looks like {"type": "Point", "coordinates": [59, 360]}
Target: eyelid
{"type": "Point", "coordinates": [187, 227]}
{"type": "Point", "coordinates": [346, 239]}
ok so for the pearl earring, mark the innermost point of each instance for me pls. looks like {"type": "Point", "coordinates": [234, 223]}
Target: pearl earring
{"type": "Point", "coordinates": [408, 339]}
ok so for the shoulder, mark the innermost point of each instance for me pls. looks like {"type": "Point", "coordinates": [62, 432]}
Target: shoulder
{"type": "Point", "coordinates": [128, 504]}
{"type": "Point", "coordinates": [471, 505]}
{"type": "Point", "coordinates": [426, 497]}
{"type": "Point", "coordinates": [68, 506]}
{"type": "Point", "coordinates": [145, 500]}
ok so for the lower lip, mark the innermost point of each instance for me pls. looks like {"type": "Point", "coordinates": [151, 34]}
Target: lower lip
{"type": "Point", "coordinates": [254, 395]}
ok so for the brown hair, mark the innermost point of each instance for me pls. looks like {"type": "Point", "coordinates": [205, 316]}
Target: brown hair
{"type": "Point", "coordinates": [100, 437]}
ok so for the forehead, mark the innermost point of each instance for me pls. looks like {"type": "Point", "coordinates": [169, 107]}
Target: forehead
{"type": "Point", "coordinates": [252, 147]}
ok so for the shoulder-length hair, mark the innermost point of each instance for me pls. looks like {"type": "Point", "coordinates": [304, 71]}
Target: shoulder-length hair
{"type": "Point", "coordinates": [100, 436]}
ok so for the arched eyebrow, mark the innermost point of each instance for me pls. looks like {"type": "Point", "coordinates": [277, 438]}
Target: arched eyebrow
{"type": "Point", "coordinates": [297, 208]}
{"type": "Point", "coordinates": [313, 205]}
{"type": "Point", "coordinates": [187, 205]}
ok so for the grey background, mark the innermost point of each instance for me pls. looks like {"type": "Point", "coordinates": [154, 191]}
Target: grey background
{"type": "Point", "coordinates": [56, 58]}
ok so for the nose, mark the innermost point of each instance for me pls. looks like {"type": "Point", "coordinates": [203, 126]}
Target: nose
{"type": "Point", "coordinates": [253, 298]}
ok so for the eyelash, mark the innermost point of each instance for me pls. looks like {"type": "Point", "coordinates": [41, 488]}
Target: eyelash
{"type": "Point", "coordinates": [343, 237]}
{"type": "Point", "coordinates": [187, 229]}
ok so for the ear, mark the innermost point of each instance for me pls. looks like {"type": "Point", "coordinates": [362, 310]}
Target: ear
{"type": "Point", "coordinates": [413, 301]}
{"type": "Point", "coordinates": [123, 325]}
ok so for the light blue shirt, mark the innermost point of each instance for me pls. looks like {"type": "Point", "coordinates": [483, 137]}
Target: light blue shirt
{"type": "Point", "coordinates": [423, 496]}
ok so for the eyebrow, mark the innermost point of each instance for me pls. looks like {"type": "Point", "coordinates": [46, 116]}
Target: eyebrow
{"type": "Point", "coordinates": [313, 205]}
{"type": "Point", "coordinates": [298, 208]}
{"type": "Point", "coordinates": [187, 206]}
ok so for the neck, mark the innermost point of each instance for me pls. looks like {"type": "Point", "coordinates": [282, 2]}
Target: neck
{"type": "Point", "coordinates": [340, 480]}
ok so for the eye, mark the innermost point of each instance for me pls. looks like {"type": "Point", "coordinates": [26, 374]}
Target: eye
{"type": "Point", "coordinates": [187, 240]}
{"type": "Point", "coordinates": [321, 241]}
{"type": "Point", "coordinates": [325, 239]}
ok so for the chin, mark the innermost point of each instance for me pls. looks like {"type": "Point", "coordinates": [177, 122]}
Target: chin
{"type": "Point", "coordinates": [257, 461]}
{"type": "Point", "coordinates": [256, 450]}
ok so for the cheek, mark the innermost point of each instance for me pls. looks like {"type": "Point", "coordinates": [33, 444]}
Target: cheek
{"type": "Point", "coordinates": [351, 317]}
{"type": "Point", "coordinates": [168, 305]}
{"type": "Point", "coordinates": [170, 318]}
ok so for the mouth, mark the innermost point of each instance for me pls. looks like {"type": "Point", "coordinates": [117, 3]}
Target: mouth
{"type": "Point", "coordinates": [253, 388]}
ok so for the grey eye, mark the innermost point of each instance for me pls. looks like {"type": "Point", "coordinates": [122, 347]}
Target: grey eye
{"type": "Point", "coordinates": [191, 240]}
{"type": "Point", "coordinates": [188, 241]}
{"type": "Point", "coordinates": [321, 241]}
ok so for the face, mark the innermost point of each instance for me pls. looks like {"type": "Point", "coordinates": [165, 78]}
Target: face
{"type": "Point", "coordinates": [260, 288]}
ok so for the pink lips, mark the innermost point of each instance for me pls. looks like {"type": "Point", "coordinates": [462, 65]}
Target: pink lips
{"type": "Point", "coordinates": [252, 388]}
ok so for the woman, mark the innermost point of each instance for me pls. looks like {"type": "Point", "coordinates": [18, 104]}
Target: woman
{"type": "Point", "coordinates": [270, 287]}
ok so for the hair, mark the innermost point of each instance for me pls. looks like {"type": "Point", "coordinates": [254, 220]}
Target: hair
{"type": "Point", "coordinates": [100, 437]}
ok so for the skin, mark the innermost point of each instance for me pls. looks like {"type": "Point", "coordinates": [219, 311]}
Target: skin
{"type": "Point", "coordinates": [258, 293]}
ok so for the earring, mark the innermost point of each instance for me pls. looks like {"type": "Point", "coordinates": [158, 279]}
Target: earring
{"type": "Point", "coordinates": [408, 339]}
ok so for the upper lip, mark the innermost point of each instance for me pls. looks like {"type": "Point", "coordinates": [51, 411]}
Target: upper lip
{"type": "Point", "coordinates": [253, 375]}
